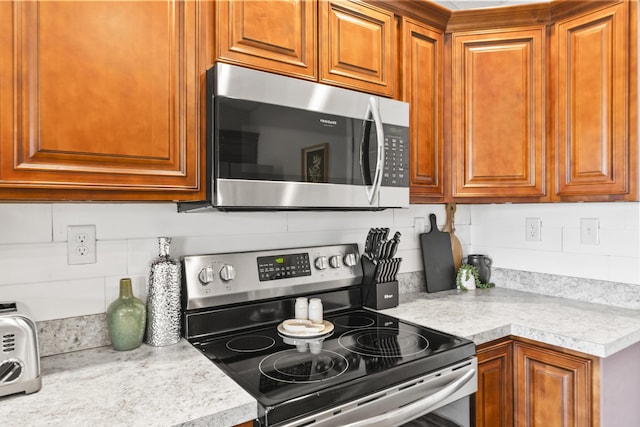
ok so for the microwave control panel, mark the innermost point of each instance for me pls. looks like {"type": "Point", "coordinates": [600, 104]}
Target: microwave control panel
{"type": "Point", "coordinates": [396, 161]}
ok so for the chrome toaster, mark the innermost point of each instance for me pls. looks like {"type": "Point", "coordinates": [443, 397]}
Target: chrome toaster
{"type": "Point", "coordinates": [19, 352]}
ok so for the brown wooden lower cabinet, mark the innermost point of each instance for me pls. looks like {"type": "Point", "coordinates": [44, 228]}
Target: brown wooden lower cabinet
{"type": "Point", "coordinates": [528, 384]}
{"type": "Point", "coordinates": [494, 399]}
{"type": "Point", "coordinates": [246, 424]}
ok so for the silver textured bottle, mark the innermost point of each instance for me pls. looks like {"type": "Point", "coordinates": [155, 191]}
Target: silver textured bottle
{"type": "Point", "coordinates": [163, 300]}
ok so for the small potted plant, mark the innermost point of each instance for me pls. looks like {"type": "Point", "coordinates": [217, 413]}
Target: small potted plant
{"type": "Point", "coordinates": [467, 278]}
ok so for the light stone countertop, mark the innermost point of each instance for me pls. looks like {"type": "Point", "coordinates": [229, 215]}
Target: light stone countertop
{"type": "Point", "coordinates": [148, 386]}
{"type": "Point", "coordinates": [483, 315]}
{"type": "Point", "coordinates": [176, 385]}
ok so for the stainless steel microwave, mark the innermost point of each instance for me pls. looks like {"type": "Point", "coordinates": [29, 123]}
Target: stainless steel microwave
{"type": "Point", "coordinates": [281, 143]}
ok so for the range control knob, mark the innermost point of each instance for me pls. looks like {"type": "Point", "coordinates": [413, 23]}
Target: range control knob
{"type": "Point", "coordinates": [335, 261]}
{"type": "Point", "coordinates": [207, 275]}
{"type": "Point", "coordinates": [321, 263]}
{"type": "Point", "coordinates": [350, 260]}
{"type": "Point", "coordinates": [227, 272]}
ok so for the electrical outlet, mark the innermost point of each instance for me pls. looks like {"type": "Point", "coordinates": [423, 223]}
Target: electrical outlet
{"type": "Point", "coordinates": [81, 244]}
{"type": "Point", "coordinates": [532, 230]}
{"type": "Point", "coordinates": [589, 231]}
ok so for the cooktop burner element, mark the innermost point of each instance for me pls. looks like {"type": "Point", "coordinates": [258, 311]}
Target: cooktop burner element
{"type": "Point", "coordinates": [354, 321]}
{"type": "Point", "coordinates": [291, 366]}
{"type": "Point", "coordinates": [250, 343]}
{"type": "Point", "coordinates": [383, 342]}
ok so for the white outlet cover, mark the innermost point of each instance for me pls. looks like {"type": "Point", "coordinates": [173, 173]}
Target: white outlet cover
{"type": "Point", "coordinates": [533, 231]}
{"type": "Point", "coordinates": [81, 244]}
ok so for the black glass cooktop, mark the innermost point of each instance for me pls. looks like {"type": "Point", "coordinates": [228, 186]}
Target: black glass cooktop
{"type": "Point", "coordinates": [367, 351]}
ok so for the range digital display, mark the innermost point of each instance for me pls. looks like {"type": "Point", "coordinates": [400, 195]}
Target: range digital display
{"type": "Point", "coordinates": [283, 266]}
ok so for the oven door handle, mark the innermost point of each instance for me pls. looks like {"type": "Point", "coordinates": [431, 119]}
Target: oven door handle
{"type": "Point", "coordinates": [373, 112]}
{"type": "Point", "coordinates": [416, 409]}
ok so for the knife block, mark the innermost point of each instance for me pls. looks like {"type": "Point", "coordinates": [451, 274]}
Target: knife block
{"type": "Point", "coordinates": [377, 295]}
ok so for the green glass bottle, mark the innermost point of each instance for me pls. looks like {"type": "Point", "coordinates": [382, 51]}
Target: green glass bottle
{"type": "Point", "coordinates": [126, 319]}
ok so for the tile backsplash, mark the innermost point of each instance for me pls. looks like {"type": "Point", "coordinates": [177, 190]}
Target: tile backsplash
{"type": "Point", "coordinates": [499, 230]}
{"type": "Point", "coordinates": [33, 247]}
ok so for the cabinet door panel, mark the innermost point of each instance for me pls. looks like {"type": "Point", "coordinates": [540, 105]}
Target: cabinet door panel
{"type": "Point", "coordinates": [357, 46]}
{"type": "Point", "coordinates": [593, 89]}
{"type": "Point", "coordinates": [494, 399]}
{"type": "Point", "coordinates": [103, 95]}
{"type": "Point", "coordinates": [423, 56]}
{"type": "Point", "coordinates": [498, 114]}
{"type": "Point", "coordinates": [553, 389]}
{"type": "Point", "coordinates": [279, 36]}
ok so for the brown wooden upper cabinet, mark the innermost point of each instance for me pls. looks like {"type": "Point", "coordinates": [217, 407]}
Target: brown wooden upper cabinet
{"type": "Point", "coordinates": [100, 100]}
{"type": "Point", "coordinates": [281, 37]}
{"type": "Point", "coordinates": [423, 66]}
{"type": "Point", "coordinates": [595, 148]}
{"type": "Point", "coordinates": [343, 43]}
{"type": "Point", "coordinates": [105, 100]}
{"type": "Point", "coordinates": [498, 113]}
{"type": "Point", "coordinates": [357, 43]}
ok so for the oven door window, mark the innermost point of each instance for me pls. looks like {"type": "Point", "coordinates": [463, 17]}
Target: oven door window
{"type": "Point", "coordinates": [258, 141]}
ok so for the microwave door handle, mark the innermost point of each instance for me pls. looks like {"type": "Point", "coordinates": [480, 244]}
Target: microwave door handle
{"type": "Point", "coordinates": [416, 409]}
{"type": "Point", "coordinates": [372, 111]}
{"type": "Point", "coordinates": [365, 168]}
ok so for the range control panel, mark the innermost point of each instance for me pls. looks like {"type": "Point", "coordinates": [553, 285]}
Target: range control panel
{"type": "Point", "coordinates": [218, 279]}
{"type": "Point", "coordinates": [283, 266]}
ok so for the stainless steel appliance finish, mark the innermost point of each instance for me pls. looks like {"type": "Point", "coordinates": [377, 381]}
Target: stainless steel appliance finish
{"type": "Point", "coordinates": [370, 369]}
{"type": "Point", "coordinates": [260, 125]}
{"type": "Point", "coordinates": [19, 352]}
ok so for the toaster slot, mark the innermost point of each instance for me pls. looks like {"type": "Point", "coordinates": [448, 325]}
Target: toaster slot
{"type": "Point", "coordinates": [7, 307]}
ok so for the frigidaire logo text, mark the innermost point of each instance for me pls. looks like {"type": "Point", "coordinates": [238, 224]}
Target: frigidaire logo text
{"type": "Point", "coordinates": [387, 296]}
{"type": "Point", "coordinates": [328, 122]}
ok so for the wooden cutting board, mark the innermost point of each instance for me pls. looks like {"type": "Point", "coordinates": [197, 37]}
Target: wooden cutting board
{"type": "Point", "coordinates": [456, 247]}
{"type": "Point", "coordinates": [437, 258]}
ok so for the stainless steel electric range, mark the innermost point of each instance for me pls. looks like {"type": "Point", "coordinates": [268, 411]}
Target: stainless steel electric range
{"type": "Point", "coordinates": [367, 369]}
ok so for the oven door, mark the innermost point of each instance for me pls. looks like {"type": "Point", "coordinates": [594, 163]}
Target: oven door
{"type": "Point", "coordinates": [455, 414]}
{"type": "Point", "coordinates": [439, 399]}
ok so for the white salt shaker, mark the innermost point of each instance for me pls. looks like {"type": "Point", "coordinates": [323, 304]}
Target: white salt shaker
{"type": "Point", "coordinates": [315, 310]}
{"type": "Point", "coordinates": [301, 308]}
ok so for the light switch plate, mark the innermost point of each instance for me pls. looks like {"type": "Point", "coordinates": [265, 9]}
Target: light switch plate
{"type": "Point", "coordinates": [589, 231]}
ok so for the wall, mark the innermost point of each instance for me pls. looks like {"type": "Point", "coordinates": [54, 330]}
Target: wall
{"type": "Point", "coordinates": [33, 249]}
{"type": "Point", "coordinates": [498, 230]}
